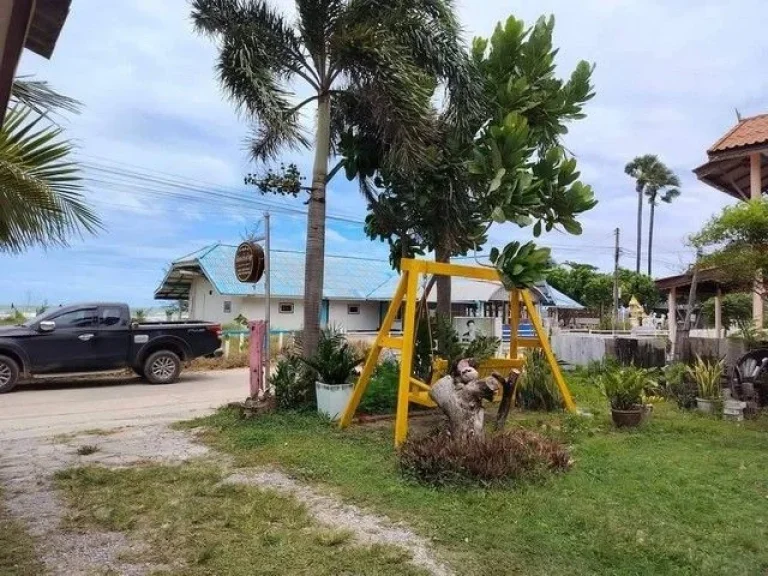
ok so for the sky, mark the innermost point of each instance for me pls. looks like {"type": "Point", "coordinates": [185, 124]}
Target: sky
{"type": "Point", "coordinates": [668, 81]}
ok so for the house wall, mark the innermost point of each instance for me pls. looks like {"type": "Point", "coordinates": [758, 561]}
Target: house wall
{"type": "Point", "coordinates": [207, 304]}
{"type": "Point", "coordinates": [367, 320]}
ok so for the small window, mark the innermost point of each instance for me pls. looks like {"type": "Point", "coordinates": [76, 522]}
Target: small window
{"type": "Point", "coordinates": [227, 306]}
{"type": "Point", "coordinates": [76, 319]}
{"type": "Point", "coordinates": [110, 317]}
{"type": "Point", "coordinates": [353, 308]}
{"type": "Point", "coordinates": [286, 308]}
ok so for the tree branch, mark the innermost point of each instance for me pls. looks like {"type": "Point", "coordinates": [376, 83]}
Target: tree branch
{"type": "Point", "coordinates": [334, 170]}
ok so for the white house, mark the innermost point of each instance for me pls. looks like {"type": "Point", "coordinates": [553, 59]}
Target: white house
{"type": "Point", "coordinates": [356, 291]}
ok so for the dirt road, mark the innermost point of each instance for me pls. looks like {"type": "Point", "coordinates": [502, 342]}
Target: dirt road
{"type": "Point", "coordinates": [63, 406]}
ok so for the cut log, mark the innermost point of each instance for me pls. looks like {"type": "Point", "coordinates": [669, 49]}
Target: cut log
{"type": "Point", "coordinates": [507, 393]}
{"type": "Point", "coordinates": [462, 403]}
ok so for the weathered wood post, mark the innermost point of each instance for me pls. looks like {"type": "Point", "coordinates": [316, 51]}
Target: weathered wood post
{"type": "Point", "coordinates": [258, 330]}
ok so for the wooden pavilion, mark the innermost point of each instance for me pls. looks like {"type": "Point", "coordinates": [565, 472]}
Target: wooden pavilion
{"type": "Point", "coordinates": [737, 165]}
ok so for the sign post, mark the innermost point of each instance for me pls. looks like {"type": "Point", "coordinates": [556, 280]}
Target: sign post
{"type": "Point", "coordinates": [249, 268]}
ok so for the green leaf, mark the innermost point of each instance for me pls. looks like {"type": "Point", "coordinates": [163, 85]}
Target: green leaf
{"type": "Point", "coordinates": [496, 182]}
{"type": "Point", "coordinates": [498, 215]}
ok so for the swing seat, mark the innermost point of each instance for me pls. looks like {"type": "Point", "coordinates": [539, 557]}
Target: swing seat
{"type": "Point", "coordinates": [484, 368]}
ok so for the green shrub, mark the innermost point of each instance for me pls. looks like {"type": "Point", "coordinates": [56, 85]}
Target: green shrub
{"type": "Point", "coordinates": [678, 386]}
{"type": "Point", "coordinates": [381, 395]}
{"type": "Point", "coordinates": [334, 360]}
{"type": "Point", "coordinates": [624, 387]}
{"type": "Point", "coordinates": [536, 388]}
{"type": "Point", "coordinates": [487, 460]}
{"type": "Point", "coordinates": [293, 385]}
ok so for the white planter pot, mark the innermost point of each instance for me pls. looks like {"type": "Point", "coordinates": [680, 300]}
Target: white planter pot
{"type": "Point", "coordinates": [332, 398]}
{"type": "Point", "coordinates": [733, 410]}
{"type": "Point", "coordinates": [705, 405]}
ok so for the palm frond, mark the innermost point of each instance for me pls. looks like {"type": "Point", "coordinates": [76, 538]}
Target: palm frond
{"type": "Point", "coordinates": [317, 19]}
{"type": "Point", "coordinates": [40, 97]}
{"type": "Point", "coordinates": [40, 191]}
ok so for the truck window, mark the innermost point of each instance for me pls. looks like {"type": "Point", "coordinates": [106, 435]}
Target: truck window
{"type": "Point", "coordinates": [76, 319]}
{"type": "Point", "coordinates": [110, 317]}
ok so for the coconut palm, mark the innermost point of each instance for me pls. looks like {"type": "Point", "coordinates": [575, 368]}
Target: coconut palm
{"type": "Point", "coordinates": [389, 55]}
{"type": "Point", "coordinates": [652, 177]}
{"type": "Point", "coordinates": [40, 188]}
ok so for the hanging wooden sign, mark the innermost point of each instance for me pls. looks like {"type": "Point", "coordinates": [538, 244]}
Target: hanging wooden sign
{"type": "Point", "coordinates": [249, 262]}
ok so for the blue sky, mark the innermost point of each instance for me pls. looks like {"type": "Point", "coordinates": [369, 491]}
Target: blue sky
{"type": "Point", "coordinates": [666, 81]}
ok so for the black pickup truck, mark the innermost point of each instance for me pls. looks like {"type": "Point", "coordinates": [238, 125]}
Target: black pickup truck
{"type": "Point", "coordinates": [102, 336]}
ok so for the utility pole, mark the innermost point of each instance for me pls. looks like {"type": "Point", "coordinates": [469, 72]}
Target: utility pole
{"type": "Point", "coordinates": [616, 279]}
{"type": "Point", "coordinates": [267, 294]}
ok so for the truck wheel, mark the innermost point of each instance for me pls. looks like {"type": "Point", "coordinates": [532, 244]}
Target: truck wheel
{"type": "Point", "coordinates": [9, 374]}
{"type": "Point", "coordinates": [162, 367]}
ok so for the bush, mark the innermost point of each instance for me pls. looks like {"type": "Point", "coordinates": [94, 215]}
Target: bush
{"type": "Point", "coordinates": [536, 388]}
{"type": "Point", "coordinates": [381, 395]}
{"type": "Point", "coordinates": [495, 459]}
{"type": "Point", "coordinates": [678, 387]}
{"type": "Point", "coordinates": [293, 385]}
{"type": "Point", "coordinates": [335, 359]}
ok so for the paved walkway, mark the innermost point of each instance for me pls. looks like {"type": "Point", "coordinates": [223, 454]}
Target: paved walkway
{"type": "Point", "coordinates": [62, 406]}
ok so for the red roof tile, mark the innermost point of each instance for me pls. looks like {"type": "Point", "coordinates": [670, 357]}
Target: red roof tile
{"type": "Point", "coordinates": [748, 132]}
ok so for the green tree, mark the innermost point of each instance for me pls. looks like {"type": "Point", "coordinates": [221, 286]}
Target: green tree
{"type": "Point", "coordinates": [640, 285]}
{"type": "Point", "coordinates": [518, 172]}
{"type": "Point", "coordinates": [736, 308]}
{"type": "Point", "coordinates": [40, 187]}
{"type": "Point", "coordinates": [737, 242]}
{"type": "Point", "coordinates": [385, 57]}
{"type": "Point", "coordinates": [657, 182]}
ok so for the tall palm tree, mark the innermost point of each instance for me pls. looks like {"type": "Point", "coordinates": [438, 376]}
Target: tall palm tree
{"type": "Point", "coordinates": [664, 188]}
{"type": "Point", "coordinates": [651, 176]}
{"type": "Point", "coordinates": [388, 54]}
{"type": "Point", "coordinates": [40, 188]}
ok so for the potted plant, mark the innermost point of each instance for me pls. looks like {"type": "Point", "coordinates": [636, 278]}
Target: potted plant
{"type": "Point", "coordinates": [624, 389]}
{"type": "Point", "coordinates": [334, 364]}
{"type": "Point", "coordinates": [707, 376]}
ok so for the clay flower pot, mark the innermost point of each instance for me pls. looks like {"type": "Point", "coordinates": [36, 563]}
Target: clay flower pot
{"type": "Point", "coordinates": [628, 418]}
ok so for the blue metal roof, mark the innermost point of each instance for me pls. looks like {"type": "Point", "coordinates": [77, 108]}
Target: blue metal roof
{"type": "Point", "coordinates": [347, 278]}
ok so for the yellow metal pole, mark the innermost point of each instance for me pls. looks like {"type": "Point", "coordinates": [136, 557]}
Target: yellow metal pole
{"type": "Point", "coordinates": [373, 355]}
{"type": "Point", "coordinates": [406, 358]}
{"type": "Point", "coordinates": [544, 341]}
{"type": "Point", "coordinates": [514, 321]}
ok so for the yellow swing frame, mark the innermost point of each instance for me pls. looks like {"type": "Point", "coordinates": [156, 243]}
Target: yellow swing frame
{"type": "Point", "coordinates": [411, 389]}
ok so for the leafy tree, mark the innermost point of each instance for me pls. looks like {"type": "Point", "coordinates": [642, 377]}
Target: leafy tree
{"type": "Point", "coordinates": [736, 308]}
{"type": "Point", "coordinates": [639, 285]}
{"type": "Point", "coordinates": [657, 182]}
{"type": "Point", "coordinates": [738, 243]}
{"type": "Point", "coordinates": [383, 57]}
{"type": "Point", "coordinates": [518, 172]}
{"type": "Point", "coordinates": [40, 187]}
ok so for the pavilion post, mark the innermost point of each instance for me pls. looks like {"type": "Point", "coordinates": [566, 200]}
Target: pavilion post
{"type": "Point", "coordinates": [755, 193]}
{"type": "Point", "coordinates": [672, 317]}
{"type": "Point", "coordinates": [719, 313]}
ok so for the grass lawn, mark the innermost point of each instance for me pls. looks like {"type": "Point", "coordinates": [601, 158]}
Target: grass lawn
{"type": "Point", "coordinates": [685, 494]}
{"type": "Point", "coordinates": [187, 516]}
{"type": "Point", "coordinates": [17, 554]}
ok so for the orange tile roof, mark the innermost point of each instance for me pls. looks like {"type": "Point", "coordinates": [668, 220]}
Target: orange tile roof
{"type": "Point", "coordinates": [748, 132]}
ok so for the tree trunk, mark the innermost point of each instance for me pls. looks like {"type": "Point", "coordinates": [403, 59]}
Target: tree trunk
{"type": "Point", "coordinates": [650, 239]}
{"type": "Point", "coordinates": [639, 226]}
{"type": "Point", "coordinates": [314, 266]}
{"type": "Point", "coordinates": [443, 254]}
{"type": "Point", "coordinates": [463, 403]}
{"type": "Point", "coordinates": [682, 342]}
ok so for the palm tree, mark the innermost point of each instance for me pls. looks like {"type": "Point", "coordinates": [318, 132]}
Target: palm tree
{"type": "Point", "coordinates": [651, 177]}
{"type": "Point", "coordinates": [40, 188]}
{"type": "Point", "coordinates": [389, 55]}
{"type": "Point", "coordinates": [665, 189]}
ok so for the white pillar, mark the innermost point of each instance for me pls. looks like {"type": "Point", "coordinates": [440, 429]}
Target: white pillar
{"type": "Point", "coordinates": [672, 315]}
{"type": "Point", "coordinates": [718, 314]}
{"type": "Point", "coordinates": [755, 176]}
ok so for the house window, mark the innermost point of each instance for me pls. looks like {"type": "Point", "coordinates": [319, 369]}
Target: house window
{"type": "Point", "coordinates": [227, 306]}
{"type": "Point", "coordinates": [286, 308]}
{"type": "Point", "coordinates": [353, 308]}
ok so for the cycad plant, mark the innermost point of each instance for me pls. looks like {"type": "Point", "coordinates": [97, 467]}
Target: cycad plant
{"type": "Point", "coordinates": [385, 57]}
{"type": "Point", "coordinates": [334, 359]}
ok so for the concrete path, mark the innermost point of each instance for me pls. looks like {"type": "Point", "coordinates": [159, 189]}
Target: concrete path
{"type": "Point", "coordinates": [67, 405]}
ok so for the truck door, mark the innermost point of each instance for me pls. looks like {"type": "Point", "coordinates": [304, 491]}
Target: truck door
{"type": "Point", "coordinates": [110, 343]}
{"type": "Point", "coordinates": [69, 346]}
